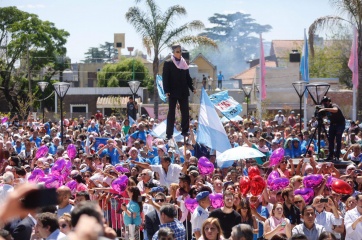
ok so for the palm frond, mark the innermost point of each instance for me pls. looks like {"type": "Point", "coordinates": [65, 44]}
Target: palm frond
{"type": "Point", "coordinates": [148, 44]}
{"type": "Point", "coordinates": [171, 13]}
{"type": "Point", "coordinates": [318, 24]}
{"type": "Point", "coordinates": [140, 21]}
{"type": "Point", "coordinates": [198, 40]}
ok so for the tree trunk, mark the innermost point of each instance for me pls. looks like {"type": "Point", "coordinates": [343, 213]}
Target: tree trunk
{"type": "Point", "coordinates": [155, 91]}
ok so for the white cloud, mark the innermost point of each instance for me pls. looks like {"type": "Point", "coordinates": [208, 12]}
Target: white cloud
{"type": "Point", "coordinates": [32, 6]}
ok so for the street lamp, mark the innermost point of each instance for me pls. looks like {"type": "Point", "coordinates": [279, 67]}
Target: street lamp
{"type": "Point", "coordinates": [61, 88]}
{"type": "Point", "coordinates": [42, 86]}
{"type": "Point", "coordinates": [247, 92]}
{"type": "Point", "coordinates": [134, 86]}
{"type": "Point", "coordinates": [300, 89]}
{"type": "Point", "coordinates": [130, 49]}
{"type": "Point", "coordinates": [317, 91]}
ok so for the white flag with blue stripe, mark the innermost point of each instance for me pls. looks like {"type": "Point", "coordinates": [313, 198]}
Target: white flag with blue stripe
{"type": "Point", "coordinates": [131, 121]}
{"type": "Point", "coordinates": [210, 131]}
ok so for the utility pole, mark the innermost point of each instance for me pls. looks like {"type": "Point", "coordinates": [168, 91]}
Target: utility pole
{"type": "Point", "coordinates": [29, 77]}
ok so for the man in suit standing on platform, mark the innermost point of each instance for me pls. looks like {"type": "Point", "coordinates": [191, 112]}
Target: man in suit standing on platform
{"type": "Point", "coordinates": [176, 83]}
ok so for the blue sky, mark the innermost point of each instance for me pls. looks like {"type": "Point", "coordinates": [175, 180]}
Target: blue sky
{"type": "Point", "coordinates": [93, 22]}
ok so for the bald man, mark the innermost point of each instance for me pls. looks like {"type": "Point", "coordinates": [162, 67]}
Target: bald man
{"type": "Point", "coordinates": [64, 206]}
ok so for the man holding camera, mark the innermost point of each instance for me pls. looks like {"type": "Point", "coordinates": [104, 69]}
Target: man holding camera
{"type": "Point", "coordinates": [336, 128]}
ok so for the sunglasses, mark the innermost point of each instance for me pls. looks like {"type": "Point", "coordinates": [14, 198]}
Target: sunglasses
{"type": "Point", "coordinates": [76, 162]}
{"type": "Point", "coordinates": [86, 176]}
{"type": "Point", "coordinates": [63, 225]}
{"type": "Point", "coordinates": [177, 51]}
{"type": "Point", "coordinates": [297, 202]}
{"type": "Point", "coordinates": [284, 162]}
{"type": "Point", "coordinates": [159, 200]}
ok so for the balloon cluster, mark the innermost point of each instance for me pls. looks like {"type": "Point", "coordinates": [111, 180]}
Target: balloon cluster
{"type": "Point", "coordinates": [339, 186]}
{"type": "Point", "coordinates": [275, 182]}
{"type": "Point", "coordinates": [120, 184]}
{"type": "Point", "coordinates": [205, 166]}
{"type": "Point", "coordinates": [253, 183]}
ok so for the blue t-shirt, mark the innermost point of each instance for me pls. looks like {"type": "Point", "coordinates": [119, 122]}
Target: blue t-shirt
{"type": "Point", "coordinates": [113, 154]}
{"type": "Point", "coordinates": [133, 207]}
{"type": "Point", "coordinates": [53, 149]}
{"type": "Point", "coordinates": [37, 141]}
{"type": "Point", "coordinates": [141, 135]}
{"type": "Point", "coordinates": [263, 211]}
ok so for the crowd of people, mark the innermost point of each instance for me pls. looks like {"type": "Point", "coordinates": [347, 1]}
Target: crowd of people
{"type": "Point", "coordinates": [166, 195]}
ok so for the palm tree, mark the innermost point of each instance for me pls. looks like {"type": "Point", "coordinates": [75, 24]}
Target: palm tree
{"type": "Point", "coordinates": [352, 9]}
{"type": "Point", "coordinates": [158, 31]}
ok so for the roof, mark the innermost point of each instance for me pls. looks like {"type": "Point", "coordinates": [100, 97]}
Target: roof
{"type": "Point", "coordinates": [113, 102]}
{"type": "Point", "coordinates": [282, 48]}
{"type": "Point", "coordinates": [247, 77]}
{"type": "Point", "coordinates": [200, 55]}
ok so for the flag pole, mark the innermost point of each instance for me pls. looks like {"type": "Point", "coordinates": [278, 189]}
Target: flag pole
{"type": "Point", "coordinates": [260, 86]}
{"type": "Point", "coordinates": [305, 117]}
{"type": "Point", "coordinates": [354, 107]}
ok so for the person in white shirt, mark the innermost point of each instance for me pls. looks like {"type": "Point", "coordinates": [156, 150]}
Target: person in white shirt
{"type": "Point", "coordinates": [201, 213]}
{"type": "Point", "coordinates": [279, 118]}
{"type": "Point", "coordinates": [327, 219]}
{"type": "Point", "coordinates": [353, 220]}
{"type": "Point", "coordinates": [8, 179]}
{"type": "Point", "coordinates": [167, 171]}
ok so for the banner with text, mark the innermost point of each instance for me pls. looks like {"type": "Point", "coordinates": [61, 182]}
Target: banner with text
{"type": "Point", "coordinates": [226, 104]}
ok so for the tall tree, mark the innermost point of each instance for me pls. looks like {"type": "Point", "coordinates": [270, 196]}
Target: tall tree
{"type": "Point", "coordinates": [95, 55]}
{"type": "Point", "coordinates": [237, 35]}
{"type": "Point", "coordinates": [352, 9]}
{"type": "Point", "coordinates": [109, 50]}
{"type": "Point", "coordinates": [22, 33]}
{"type": "Point", "coordinates": [158, 31]}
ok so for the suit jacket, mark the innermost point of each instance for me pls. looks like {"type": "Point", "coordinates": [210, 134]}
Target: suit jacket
{"type": "Point", "coordinates": [152, 223]}
{"type": "Point", "coordinates": [23, 229]}
{"type": "Point", "coordinates": [176, 81]}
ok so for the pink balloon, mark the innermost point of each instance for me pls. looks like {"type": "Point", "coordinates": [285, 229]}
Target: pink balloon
{"type": "Point", "coordinates": [58, 166]}
{"type": "Point", "coordinates": [67, 166]}
{"type": "Point", "coordinates": [35, 175]}
{"type": "Point", "coordinates": [122, 169]}
{"type": "Point", "coordinates": [72, 186]}
{"type": "Point", "coordinates": [191, 204]}
{"type": "Point", "coordinates": [272, 176]}
{"type": "Point", "coordinates": [42, 152]}
{"type": "Point", "coordinates": [216, 200]}
{"type": "Point", "coordinates": [120, 184]}
{"type": "Point", "coordinates": [205, 166]}
{"type": "Point", "coordinates": [276, 157]}
{"type": "Point", "coordinates": [306, 193]}
{"type": "Point", "coordinates": [312, 181]}
{"type": "Point", "coordinates": [53, 182]}
{"type": "Point", "coordinates": [72, 151]}
{"type": "Point", "coordinates": [278, 184]}
{"type": "Point", "coordinates": [149, 139]}
{"type": "Point", "coordinates": [4, 120]}
{"type": "Point", "coordinates": [330, 180]}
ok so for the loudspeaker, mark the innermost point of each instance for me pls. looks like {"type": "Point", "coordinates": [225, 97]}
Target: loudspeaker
{"type": "Point", "coordinates": [294, 57]}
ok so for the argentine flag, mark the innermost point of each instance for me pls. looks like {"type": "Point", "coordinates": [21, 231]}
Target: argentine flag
{"type": "Point", "coordinates": [210, 131]}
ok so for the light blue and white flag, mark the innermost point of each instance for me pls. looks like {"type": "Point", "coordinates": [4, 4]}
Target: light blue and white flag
{"type": "Point", "coordinates": [131, 121]}
{"type": "Point", "coordinates": [160, 130]}
{"type": "Point", "coordinates": [161, 92]}
{"type": "Point", "coordinates": [226, 104]}
{"type": "Point", "coordinates": [210, 131]}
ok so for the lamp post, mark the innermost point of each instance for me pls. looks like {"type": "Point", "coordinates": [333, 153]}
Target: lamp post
{"type": "Point", "coordinates": [247, 92]}
{"type": "Point", "coordinates": [300, 89]}
{"type": "Point", "coordinates": [317, 91]}
{"type": "Point", "coordinates": [134, 86]}
{"type": "Point", "coordinates": [130, 49]}
{"type": "Point", "coordinates": [42, 86]}
{"type": "Point", "coordinates": [61, 88]}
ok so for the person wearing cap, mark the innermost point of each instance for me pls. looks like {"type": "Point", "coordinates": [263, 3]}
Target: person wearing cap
{"type": "Point", "coordinates": [291, 119]}
{"type": "Point", "coordinates": [279, 118]}
{"type": "Point", "coordinates": [227, 216]}
{"type": "Point", "coordinates": [201, 213]}
{"type": "Point", "coordinates": [176, 83]}
{"type": "Point", "coordinates": [336, 127]}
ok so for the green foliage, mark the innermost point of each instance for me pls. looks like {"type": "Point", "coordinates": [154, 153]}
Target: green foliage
{"type": "Point", "coordinates": [20, 31]}
{"type": "Point", "coordinates": [104, 53]}
{"type": "Point", "coordinates": [122, 72]}
{"type": "Point", "coordinates": [237, 36]}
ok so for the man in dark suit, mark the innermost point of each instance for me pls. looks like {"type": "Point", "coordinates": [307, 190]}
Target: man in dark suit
{"type": "Point", "coordinates": [152, 219]}
{"type": "Point", "coordinates": [176, 83]}
{"type": "Point", "coordinates": [21, 229]}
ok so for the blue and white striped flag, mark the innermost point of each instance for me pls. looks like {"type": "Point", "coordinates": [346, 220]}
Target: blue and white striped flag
{"type": "Point", "coordinates": [131, 121]}
{"type": "Point", "coordinates": [210, 131]}
{"type": "Point", "coordinates": [161, 92]}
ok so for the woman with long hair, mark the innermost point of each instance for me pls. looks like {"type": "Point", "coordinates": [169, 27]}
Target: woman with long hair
{"type": "Point", "coordinates": [277, 223]}
{"type": "Point", "coordinates": [211, 230]}
{"type": "Point", "coordinates": [132, 212]}
{"type": "Point", "coordinates": [246, 216]}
